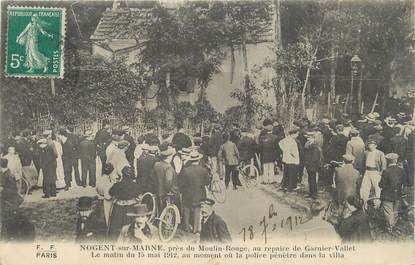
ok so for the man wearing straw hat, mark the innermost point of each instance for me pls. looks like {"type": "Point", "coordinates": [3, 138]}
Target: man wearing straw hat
{"type": "Point", "coordinates": [193, 180]}
{"type": "Point", "coordinates": [139, 231]}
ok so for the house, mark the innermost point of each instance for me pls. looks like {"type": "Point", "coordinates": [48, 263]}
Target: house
{"type": "Point", "coordinates": [119, 34]}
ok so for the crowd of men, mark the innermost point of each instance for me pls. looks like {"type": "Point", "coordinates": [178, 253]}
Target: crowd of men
{"type": "Point", "coordinates": [352, 156]}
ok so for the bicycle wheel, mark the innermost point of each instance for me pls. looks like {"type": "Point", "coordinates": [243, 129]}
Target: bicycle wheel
{"type": "Point", "coordinates": [25, 187]}
{"type": "Point", "coordinates": [169, 220]}
{"type": "Point", "coordinates": [250, 175]}
{"type": "Point", "coordinates": [217, 188]}
{"type": "Point", "coordinates": [150, 200]}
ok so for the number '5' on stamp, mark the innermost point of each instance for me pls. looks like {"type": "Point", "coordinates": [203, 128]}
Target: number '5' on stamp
{"type": "Point", "coordinates": [35, 37]}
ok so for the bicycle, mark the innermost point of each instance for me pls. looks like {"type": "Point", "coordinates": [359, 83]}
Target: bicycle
{"type": "Point", "coordinates": [249, 175]}
{"type": "Point", "coordinates": [169, 219]}
{"type": "Point", "coordinates": [25, 187]}
{"type": "Point", "coordinates": [216, 186]}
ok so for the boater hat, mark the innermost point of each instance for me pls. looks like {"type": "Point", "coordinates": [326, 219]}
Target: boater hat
{"type": "Point", "coordinates": [195, 156]}
{"type": "Point", "coordinates": [139, 210]}
{"type": "Point", "coordinates": [206, 201]}
{"type": "Point", "coordinates": [392, 156]}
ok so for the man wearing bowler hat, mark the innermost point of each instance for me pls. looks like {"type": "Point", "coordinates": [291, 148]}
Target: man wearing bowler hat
{"type": "Point", "coordinates": [139, 231]}
{"type": "Point", "coordinates": [91, 225]}
{"type": "Point", "coordinates": [214, 228]}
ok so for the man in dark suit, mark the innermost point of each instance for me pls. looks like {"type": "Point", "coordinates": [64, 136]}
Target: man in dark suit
{"type": "Point", "coordinates": [48, 165]}
{"type": "Point", "coordinates": [70, 157]}
{"type": "Point", "coordinates": [346, 179]}
{"type": "Point", "coordinates": [180, 139]}
{"type": "Point", "coordinates": [103, 139]}
{"type": "Point", "coordinates": [129, 153]}
{"type": "Point", "coordinates": [393, 178]}
{"type": "Point", "coordinates": [145, 165]}
{"type": "Point", "coordinates": [214, 228]}
{"type": "Point", "coordinates": [88, 154]}
{"type": "Point", "coordinates": [192, 182]}
{"type": "Point", "coordinates": [313, 162]}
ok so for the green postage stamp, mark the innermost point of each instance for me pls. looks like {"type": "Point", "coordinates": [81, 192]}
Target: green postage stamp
{"type": "Point", "coordinates": [35, 39]}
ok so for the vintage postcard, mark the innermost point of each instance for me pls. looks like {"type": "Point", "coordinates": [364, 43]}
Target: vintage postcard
{"type": "Point", "coordinates": [207, 132]}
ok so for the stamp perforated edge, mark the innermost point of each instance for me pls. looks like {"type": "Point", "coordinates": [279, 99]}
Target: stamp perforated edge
{"type": "Point", "coordinates": [62, 43]}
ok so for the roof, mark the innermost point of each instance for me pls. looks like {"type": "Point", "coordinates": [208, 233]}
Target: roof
{"type": "Point", "coordinates": [120, 28]}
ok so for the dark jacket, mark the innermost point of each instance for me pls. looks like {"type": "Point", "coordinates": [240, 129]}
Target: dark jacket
{"type": "Point", "coordinates": [126, 189]}
{"type": "Point", "coordinates": [215, 142]}
{"type": "Point", "coordinates": [47, 160]}
{"type": "Point", "coordinates": [247, 148]}
{"type": "Point", "coordinates": [214, 229]}
{"type": "Point", "coordinates": [165, 178]}
{"type": "Point", "coordinates": [355, 228]}
{"type": "Point", "coordinates": [87, 150]}
{"type": "Point", "coordinates": [398, 146]}
{"type": "Point", "coordinates": [151, 139]}
{"type": "Point", "coordinates": [145, 164]}
{"type": "Point", "coordinates": [338, 147]}
{"type": "Point", "coordinates": [391, 183]}
{"type": "Point", "coordinates": [129, 153]}
{"type": "Point", "coordinates": [268, 147]}
{"type": "Point", "coordinates": [192, 182]}
{"type": "Point", "coordinates": [313, 156]}
{"type": "Point", "coordinates": [102, 139]}
{"type": "Point", "coordinates": [71, 148]}
{"type": "Point", "coordinates": [23, 147]}
{"type": "Point", "coordinates": [346, 179]}
{"type": "Point", "coordinates": [92, 228]}
{"type": "Point", "coordinates": [181, 140]}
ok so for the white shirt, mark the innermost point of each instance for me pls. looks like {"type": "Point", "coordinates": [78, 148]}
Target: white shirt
{"type": "Point", "coordinates": [370, 159]}
{"type": "Point", "coordinates": [290, 154]}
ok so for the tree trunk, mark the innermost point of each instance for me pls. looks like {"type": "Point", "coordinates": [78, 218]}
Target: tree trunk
{"type": "Point", "coordinates": [280, 87]}
{"type": "Point", "coordinates": [333, 68]}
{"type": "Point", "coordinates": [249, 109]}
{"type": "Point", "coordinates": [232, 61]}
{"type": "Point", "coordinates": [307, 76]}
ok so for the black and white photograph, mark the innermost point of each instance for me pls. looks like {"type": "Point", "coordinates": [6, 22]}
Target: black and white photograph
{"type": "Point", "coordinates": [220, 123]}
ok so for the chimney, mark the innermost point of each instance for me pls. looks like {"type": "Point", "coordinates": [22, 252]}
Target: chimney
{"type": "Point", "coordinates": [115, 5]}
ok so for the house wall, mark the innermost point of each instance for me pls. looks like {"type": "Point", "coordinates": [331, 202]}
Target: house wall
{"type": "Point", "coordinates": [101, 52]}
{"type": "Point", "coordinates": [220, 87]}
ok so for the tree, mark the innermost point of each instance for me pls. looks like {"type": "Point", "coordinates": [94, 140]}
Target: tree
{"type": "Point", "coordinates": [247, 21]}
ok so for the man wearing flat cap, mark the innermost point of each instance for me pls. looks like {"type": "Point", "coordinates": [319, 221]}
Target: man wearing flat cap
{"type": "Point", "coordinates": [391, 183]}
{"type": "Point", "coordinates": [346, 179]}
{"type": "Point", "coordinates": [375, 163]}
{"type": "Point", "coordinates": [145, 165]}
{"type": "Point", "coordinates": [214, 228]}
